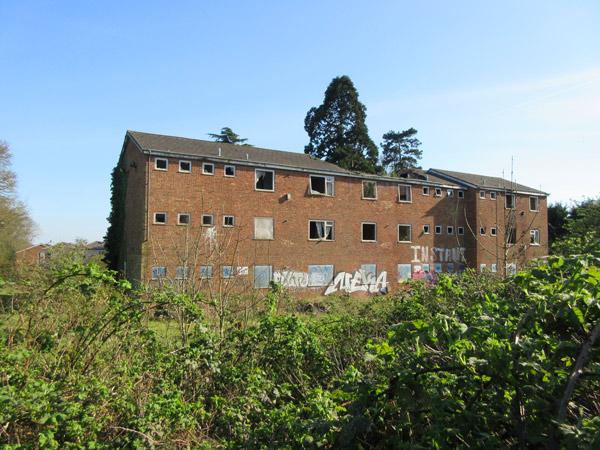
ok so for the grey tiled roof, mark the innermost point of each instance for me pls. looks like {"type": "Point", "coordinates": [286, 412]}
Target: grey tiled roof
{"type": "Point", "coordinates": [178, 146]}
{"type": "Point", "coordinates": [484, 181]}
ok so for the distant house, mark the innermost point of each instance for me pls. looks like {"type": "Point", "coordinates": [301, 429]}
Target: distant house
{"type": "Point", "coordinates": [205, 212]}
{"type": "Point", "coordinates": [42, 253]}
{"type": "Point", "coordinates": [33, 255]}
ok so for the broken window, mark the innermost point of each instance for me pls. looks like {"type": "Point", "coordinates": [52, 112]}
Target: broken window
{"type": "Point", "coordinates": [228, 221]}
{"type": "Point", "coordinates": [229, 171]}
{"type": "Point", "coordinates": [482, 231]}
{"type": "Point", "coordinates": [183, 219]}
{"type": "Point", "coordinates": [207, 220]}
{"type": "Point", "coordinates": [404, 193]}
{"type": "Point", "coordinates": [534, 237]}
{"type": "Point", "coordinates": [492, 196]}
{"type": "Point", "coordinates": [425, 190]}
{"type": "Point", "coordinates": [369, 232]}
{"type": "Point", "coordinates": [511, 238]}
{"type": "Point", "coordinates": [159, 272]}
{"type": "Point", "coordinates": [438, 229]}
{"type": "Point", "coordinates": [438, 192]}
{"type": "Point", "coordinates": [265, 180]}
{"type": "Point", "coordinates": [425, 229]}
{"type": "Point", "coordinates": [450, 230]}
{"type": "Point", "coordinates": [206, 271]}
{"type": "Point", "coordinates": [404, 233]}
{"type": "Point", "coordinates": [185, 166]}
{"type": "Point", "coordinates": [161, 164]}
{"type": "Point", "coordinates": [369, 190]}
{"type": "Point", "coordinates": [321, 185]}
{"type": "Point", "coordinates": [510, 201]}
{"type": "Point", "coordinates": [450, 193]}
{"type": "Point", "coordinates": [482, 195]}
{"type": "Point", "coordinates": [534, 204]}
{"type": "Point", "coordinates": [321, 230]}
{"type": "Point", "coordinates": [263, 228]}
{"type": "Point", "coordinates": [160, 218]}
{"type": "Point", "coordinates": [208, 168]}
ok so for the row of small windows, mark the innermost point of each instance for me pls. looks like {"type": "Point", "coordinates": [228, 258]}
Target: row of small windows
{"type": "Point", "coordinates": [160, 218]}
{"type": "Point", "coordinates": [511, 236]}
{"type": "Point", "coordinates": [510, 200]}
{"type": "Point", "coordinates": [206, 272]}
{"type": "Point", "coordinates": [319, 184]}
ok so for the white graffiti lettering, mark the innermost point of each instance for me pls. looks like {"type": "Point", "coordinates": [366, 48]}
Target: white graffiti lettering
{"type": "Point", "coordinates": [291, 278]}
{"type": "Point", "coordinates": [359, 281]}
{"type": "Point", "coordinates": [439, 254]}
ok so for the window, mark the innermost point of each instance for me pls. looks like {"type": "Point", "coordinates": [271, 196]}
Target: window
{"type": "Point", "coordinates": [461, 194]}
{"type": "Point", "coordinates": [482, 231]}
{"type": "Point", "coordinates": [425, 190]}
{"type": "Point", "coordinates": [483, 267]}
{"type": "Point", "coordinates": [160, 218]}
{"type": "Point", "coordinates": [161, 164]}
{"type": "Point", "coordinates": [494, 268]}
{"type": "Point", "coordinates": [450, 230]}
{"type": "Point", "coordinates": [183, 219]}
{"type": "Point", "coordinates": [185, 166]}
{"type": "Point", "coordinates": [369, 269]}
{"type": "Point", "coordinates": [320, 230]}
{"type": "Point", "coordinates": [461, 231]}
{"type": "Point", "coordinates": [492, 196]}
{"type": "Point", "coordinates": [450, 193]}
{"type": "Point", "coordinates": [262, 276]}
{"type": "Point", "coordinates": [534, 237]}
{"type": "Point", "coordinates": [320, 275]}
{"type": "Point", "coordinates": [369, 190]}
{"type": "Point", "coordinates": [208, 168]}
{"type": "Point", "coordinates": [229, 171]}
{"type": "Point", "coordinates": [493, 231]}
{"type": "Point", "coordinates": [404, 233]}
{"type": "Point", "coordinates": [207, 220]}
{"type": "Point", "coordinates": [263, 228]}
{"type": "Point", "coordinates": [228, 272]}
{"type": "Point", "coordinates": [159, 272]}
{"type": "Point", "coordinates": [534, 204]}
{"type": "Point", "coordinates": [321, 185]}
{"type": "Point", "coordinates": [206, 271]}
{"type": "Point", "coordinates": [369, 232]}
{"type": "Point", "coordinates": [228, 221]}
{"type": "Point", "coordinates": [265, 180]}
{"type": "Point", "coordinates": [438, 229]}
{"type": "Point", "coordinates": [426, 229]}
{"type": "Point", "coordinates": [404, 193]}
{"type": "Point", "coordinates": [510, 201]}
{"type": "Point", "coordinates": [512, 236]}
{"type": "Point", "coordinates": [482, 195]}
{"type": "Point", "coordinates": [182, 273]}
{"type": "Point", "coordinates": [438, 192]}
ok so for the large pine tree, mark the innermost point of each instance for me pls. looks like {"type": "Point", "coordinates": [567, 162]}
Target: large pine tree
{"type": "Point", "coordinates": [337, 129]}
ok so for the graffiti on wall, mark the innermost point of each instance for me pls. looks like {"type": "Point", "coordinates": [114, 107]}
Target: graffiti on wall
{"type": "Point", "coordinates": [424, 253]}
{"type": "Point", "coordinates": [359, 281]}
{"type": "Point", "coordinates": [291, 279]}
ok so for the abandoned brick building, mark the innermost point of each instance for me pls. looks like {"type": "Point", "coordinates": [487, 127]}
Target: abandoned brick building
{"type": "Point", "coordinates": [210, 214]}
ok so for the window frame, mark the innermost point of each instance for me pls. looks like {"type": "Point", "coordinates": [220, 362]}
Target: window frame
{"type": "Point", "coordinates": [185, 161]}
{"type": "Point", "coordinates": [326, 224]}
{"type": "Point", "coordinates": [537, 203]}
{"type": "Point", "coordinates": [461, 231]}
{"type": "Point", "coordinates": [409, 226]}
{"type": "Point", "coordinates": [461, 193]}
{"type": "Point", "coordinates": [225, 217]}
{"type": "Point", "coordinates": [362, 231]}
{"type": "Point", "coordinates": [426, 229]}
{"type": "Point", "coordinates": [450, 230]}
{"type": "Point", "coordinates": [256, 179]}
{"type": "Point", "coordinates": [450, 193]}
{"type": "Point", "coordinates": [327, 181]}
{"type": "Point", "coordinates": [493, 232]}
{"type": "Point", "coordinates": [408, 187]}
{"type": "Point", "coordinates": [365, 182]}
{"type": "Point", "coordinates": [483, 231]}
{"type": "Point", "coordinates": [184, 271]}
{"type": "Point", "coordinates": [492, 196]}
{"type": "Point", "coordinates": [482, 195]}
{"type": "Point", "coordinates": [156, 222]}
{"type": "Point", "coordinates": [511, 236]}
{"type": "Point", "coordinates": [437, 192]}
{"type": "Point", "coordinates": [205, 165]}
{"type": "Point", "coordinates": [513, 204]}
{"type": "Point", "coordinates": [166, 161]}
{"type": "Point", "coordinates": [180, 215]}
{"type": "Point", "coordinates": [156, 269]}
{"type": "Point", "coordinates": [203, 272]}
{"type": "Point", "coordinates": [437, 229]}
{"type": "Point", "coordinates": [534, 237]}
{"type": "Point", "coordinates": [212, 220]}
{"type": "Point", "coordinates": [228, 166]}
{"type": "Point", "coordinates": [425, 190]}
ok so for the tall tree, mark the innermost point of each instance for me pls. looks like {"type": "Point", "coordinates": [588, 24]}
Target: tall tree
{"type": "Point", "coordinates": [337, 129]}
{"type": "Point", "coordinates": [582, 230]}
{"type": "Point", "coordinates": [228, 136]}
{"type": "Point", "coordinates": [401, 150]}
{"type": "Point", "coordinates": [16, 227]}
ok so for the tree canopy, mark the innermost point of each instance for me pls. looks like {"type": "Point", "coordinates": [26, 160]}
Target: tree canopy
{"type": "Point", "coordinates": [401, 150]}
{"type": "Point", "coordinates": [16, 227]}
{"type": "Point", "coordinates": [337, 129]}
{"type": "Point", "coordinates": [228, 136]}
{"type": "Point", "coordinates": [582, 230]}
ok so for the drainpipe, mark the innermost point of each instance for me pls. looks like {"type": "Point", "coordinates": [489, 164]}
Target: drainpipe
{"type": "Point", "coordinates": [148, 198]}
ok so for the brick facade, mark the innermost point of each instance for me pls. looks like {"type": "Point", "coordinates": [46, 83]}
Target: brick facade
{"type": "Point", "coordinates": [196, 223]}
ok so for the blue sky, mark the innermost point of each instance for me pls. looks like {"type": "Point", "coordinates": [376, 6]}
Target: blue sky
{"type": "Point", "coordinates": [482, 82]}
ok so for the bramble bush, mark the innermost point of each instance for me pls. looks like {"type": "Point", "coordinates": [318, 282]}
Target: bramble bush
{"type": "Point", "coordinates": [467, 362]}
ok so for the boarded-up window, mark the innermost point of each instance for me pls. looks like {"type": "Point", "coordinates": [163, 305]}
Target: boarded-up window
{"type": "Point", "coordinates": [262, 276]}
{"type": "Point", "coordinates": [263, 228]}
{"type": "Point", "coordinates": [369, 190]}
{"type": "Point", "coordinates": [320, 275]}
